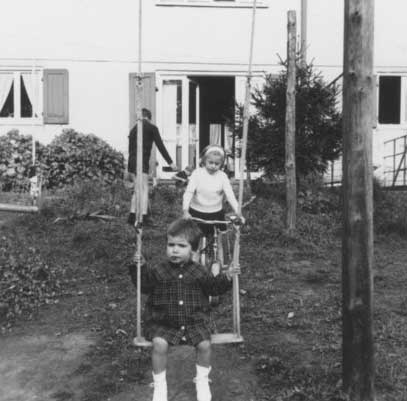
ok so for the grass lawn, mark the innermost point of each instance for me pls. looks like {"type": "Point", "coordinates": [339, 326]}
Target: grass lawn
{"type": "Point", "coordinates": [72, 276]}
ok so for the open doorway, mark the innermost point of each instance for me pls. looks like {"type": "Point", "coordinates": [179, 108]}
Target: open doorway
{"type": "Point", "coordinates": [194, 111]}
{"type": "Point", "coordinates": [211, 108]}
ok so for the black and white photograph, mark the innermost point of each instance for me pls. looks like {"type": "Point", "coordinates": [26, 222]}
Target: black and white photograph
{"type": "Point", "coordinates": [203, 200]}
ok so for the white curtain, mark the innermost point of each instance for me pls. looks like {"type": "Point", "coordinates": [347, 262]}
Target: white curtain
{"type": "Point", "coordinates": [215, 134]}
{"type": "Point", "coordinates": [31, 88]}
{"type": "Point", "coordinates": [228, 138]}
{"type": "Point", "coordinates": [6, 80]}
{"type": "Point", "coordinates": [169, 121]}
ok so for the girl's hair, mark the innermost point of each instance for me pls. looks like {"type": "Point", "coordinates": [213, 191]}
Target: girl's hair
{"type": "Point", "coordinates": [212, 150]}
{"type": "Point", "coordinates": [188, 229]}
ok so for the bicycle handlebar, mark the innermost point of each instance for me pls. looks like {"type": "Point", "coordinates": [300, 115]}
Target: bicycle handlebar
{"type": "Point", "coordinates": [233, 221]}
{"type": "Point", "coordinates": [211, 222]}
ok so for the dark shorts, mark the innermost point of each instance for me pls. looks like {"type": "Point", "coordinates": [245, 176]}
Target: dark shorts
{"type": "Point", "coordinates": [206, 229]}
{"type": "Point", "coordinates": [193, 336]}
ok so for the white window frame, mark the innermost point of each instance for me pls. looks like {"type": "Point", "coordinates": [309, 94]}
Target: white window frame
{"type": "Point", "coordinates": [214, 3]}
{"type": "Point", "coordinates": [37, 104]}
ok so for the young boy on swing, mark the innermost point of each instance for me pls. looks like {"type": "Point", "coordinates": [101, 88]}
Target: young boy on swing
{"type": "Point", "coordinates": [177, 310]}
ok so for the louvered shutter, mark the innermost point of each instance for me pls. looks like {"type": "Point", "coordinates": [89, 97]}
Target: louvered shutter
{"type": "Point", "coordinates": [148, 102]}
{"type": "Point", "coordinates": [56, 96]}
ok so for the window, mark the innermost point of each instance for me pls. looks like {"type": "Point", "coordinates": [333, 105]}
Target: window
{"type": "Point", "coordinates": [19, 96]}
{"type": "Point", "coordinates": [389, 99]}
{"type": "Point", "coordinates": [212, 3]}
{"type": "Point", "coordinates": [34, 96]}
{"type": "Point", "coordinates": [392, 102]}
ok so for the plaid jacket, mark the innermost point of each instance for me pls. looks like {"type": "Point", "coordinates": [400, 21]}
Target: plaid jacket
{"type": "Point", "coordinates": [177, 308]}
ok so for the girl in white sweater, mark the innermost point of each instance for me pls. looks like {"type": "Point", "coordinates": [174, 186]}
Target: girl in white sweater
{"type": "Point", "coordinates": [207, 187]}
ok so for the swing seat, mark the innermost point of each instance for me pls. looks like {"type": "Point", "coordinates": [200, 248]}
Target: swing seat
{"type": "Point", "coordinates": [226, 338]}
{"type": "Point", "coordinates": [141, 342]}
{"type": "Point", "coordinates": [4, 207]}
{"type": "Point", "coordinates": [220, 338]}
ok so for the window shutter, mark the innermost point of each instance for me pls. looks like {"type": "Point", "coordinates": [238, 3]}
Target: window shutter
{"type": "Point", "coordinates": [149, 93]}
{"type": "Point", "coordinates": [147, 102]}
{"type": "Point", "coordinates": [56, 96]}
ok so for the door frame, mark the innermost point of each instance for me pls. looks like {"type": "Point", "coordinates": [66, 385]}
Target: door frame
{"type": "Point", "coordinates": [185, 76]}
{"type": "Point", "coordinates": [160, 78]}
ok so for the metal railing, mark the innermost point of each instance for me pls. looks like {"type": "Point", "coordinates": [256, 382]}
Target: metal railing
{"type": "Point", "coordinates": [333, 175]}
{"type": "Point", "coordinates": [395, 173]}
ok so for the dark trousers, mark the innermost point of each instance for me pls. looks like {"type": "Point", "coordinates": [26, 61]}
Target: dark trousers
{"type": "Point", "coordinates": [207, 229]}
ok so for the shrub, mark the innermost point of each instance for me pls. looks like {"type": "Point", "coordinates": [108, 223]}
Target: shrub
{"type": "Point", "coordinates": [26, 281]}
{"type": "Point", "coordinates": [73, 155]}
{"type": "Point", "coordinates": [318, 136]}
{"type": "Point", "coordinates": [69, 157]}
{"type": "Point", "coordinates": [88, 196]}
{"type": "Point", "coordinates": [16, 161]}
{"type": "Point", "coordinates": [390, 211]}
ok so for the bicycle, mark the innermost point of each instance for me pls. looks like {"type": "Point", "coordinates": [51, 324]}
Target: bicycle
{"type": "Point", "coordinates": [216, 250]}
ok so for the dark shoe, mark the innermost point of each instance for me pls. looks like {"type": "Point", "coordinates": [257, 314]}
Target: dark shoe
{"type": "Point", "coordinates": [148, 221]}
{"type": "Point", "coordinates": [181, 176]}
{"type": "Point", "coordinates": [131, 219]}
{"type": "Point", "coordinates": [214, 300]}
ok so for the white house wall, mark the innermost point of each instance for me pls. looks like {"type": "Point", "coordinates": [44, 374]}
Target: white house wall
{"type": "Point", "coordinates": [98, 103]}
{"type": "Point", "coordinates": [96, 41]}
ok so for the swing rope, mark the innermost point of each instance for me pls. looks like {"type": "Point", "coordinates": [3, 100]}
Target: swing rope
{"type": "Point", "coordinates": [139, 340]}
{"type": "Point", "coordinates": [236, 248]}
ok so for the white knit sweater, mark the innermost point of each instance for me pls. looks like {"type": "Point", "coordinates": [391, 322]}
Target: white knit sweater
{"type": "Point", "coordinates": [205, 192]}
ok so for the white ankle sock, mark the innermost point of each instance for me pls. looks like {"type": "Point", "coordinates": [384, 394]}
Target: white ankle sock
{"type": "Point", "coordinates": [160, 386]}
{"type": "Point", "coordinates": [159, 377]}
{"type": "Point", "coordinates": [202, 371]}
{"type": "Point", "coordinates": [203, 390]}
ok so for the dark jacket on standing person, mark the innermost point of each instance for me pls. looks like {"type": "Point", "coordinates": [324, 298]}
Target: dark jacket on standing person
{"type": "Point", "coordinates": [150, 135]}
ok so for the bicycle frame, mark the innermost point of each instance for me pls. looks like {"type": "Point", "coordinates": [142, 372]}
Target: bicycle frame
{"type": "Point", "coordinates": [215, 245]}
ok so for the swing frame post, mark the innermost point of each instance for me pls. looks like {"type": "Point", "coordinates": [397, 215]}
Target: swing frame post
{"type": "Point", "coordinates": [358, 347]}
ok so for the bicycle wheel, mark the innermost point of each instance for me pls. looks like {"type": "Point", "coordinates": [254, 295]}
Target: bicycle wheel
{"type": "Point", "coordinates": [208, 259]}
{"type": "Point", "coordinates": [225, 248]}
{"type": "Point", "coordinates": [206, 252]}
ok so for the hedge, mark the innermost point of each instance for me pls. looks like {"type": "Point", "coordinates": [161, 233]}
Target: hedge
{"type": "Point", "coordinates": [69, 157]}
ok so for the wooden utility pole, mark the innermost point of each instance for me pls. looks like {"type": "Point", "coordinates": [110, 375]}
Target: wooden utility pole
{"type": "Point", "coordinates": [357, 242]}
{"type": "Point", "coordinates": [304, 18]}
{"type": "Point", "coordinates": [291, 186]}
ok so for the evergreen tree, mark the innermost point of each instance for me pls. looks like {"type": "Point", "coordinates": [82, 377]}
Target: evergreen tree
{"type": "Point", "coordinates": [318, 124]}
